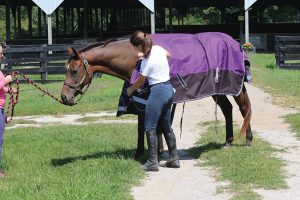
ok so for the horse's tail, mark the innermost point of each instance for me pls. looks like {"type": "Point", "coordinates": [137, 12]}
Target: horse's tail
{"type": "Point", "coordinates": [248, 115]}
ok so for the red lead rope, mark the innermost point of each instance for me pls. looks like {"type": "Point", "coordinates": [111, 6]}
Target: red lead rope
{"type": "Point", "coordinates": [14, 97]}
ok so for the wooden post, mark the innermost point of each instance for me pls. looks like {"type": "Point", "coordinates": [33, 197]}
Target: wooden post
{"type": "Point", "coordinates": [43, 64]}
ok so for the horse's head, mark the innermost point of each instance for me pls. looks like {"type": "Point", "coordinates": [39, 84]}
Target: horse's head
{"type": "Point", "coordinates": [78, 76]}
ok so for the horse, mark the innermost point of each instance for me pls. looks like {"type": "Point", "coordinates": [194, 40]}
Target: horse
{"type": "Point", "coordinates": [118, 59]}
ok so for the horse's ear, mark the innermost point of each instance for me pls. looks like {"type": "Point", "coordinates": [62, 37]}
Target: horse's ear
{"type": "Point", "coordinates": [72, 52]}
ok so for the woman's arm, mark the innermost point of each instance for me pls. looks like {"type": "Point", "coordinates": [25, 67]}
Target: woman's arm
{"type": "Point", "coordinates": [168, 54]}
{"type": "Point", "coordinates": [139, 82]}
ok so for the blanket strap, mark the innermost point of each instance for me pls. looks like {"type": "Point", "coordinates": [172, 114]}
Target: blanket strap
{"type": "Point", "coordinates": [181, 81]}
{"type": "Point", "coordinates": [181, 118]}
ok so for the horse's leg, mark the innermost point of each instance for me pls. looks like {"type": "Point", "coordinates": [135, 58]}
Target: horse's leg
{"type": "Point", "coordinates": [243, 102]}
{"type": "Point", "coordinates": [226, 108]}
{"type": "Point", "coordinates": [141, 137]}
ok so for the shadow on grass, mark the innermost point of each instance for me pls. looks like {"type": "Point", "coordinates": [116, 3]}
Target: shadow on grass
{"type": "Point", "coordinates": [122, 154]}
{"type": "Point", "coordinates": [194, 152]}
{"type": "Point", "coordinates": [199, 150]}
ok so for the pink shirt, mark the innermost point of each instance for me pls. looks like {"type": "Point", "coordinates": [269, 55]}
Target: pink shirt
{"type": "Point", "coordinates": [3, 90]}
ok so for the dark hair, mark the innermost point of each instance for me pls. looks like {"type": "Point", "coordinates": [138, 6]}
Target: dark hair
{"type": "Point", "coordinates": [143, 39]}
{"type": "Point", "coordinates": [3, 45]}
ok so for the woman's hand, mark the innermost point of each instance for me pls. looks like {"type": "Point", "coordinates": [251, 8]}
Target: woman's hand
{"type": "Point", "coordinates": [14, 90]}
{"type": "Point", "coordinates": [140, 55]}
{"type": "Point", "coordinates": [129, 91]}
{"type": "Point", "coordinates": [8, 78]}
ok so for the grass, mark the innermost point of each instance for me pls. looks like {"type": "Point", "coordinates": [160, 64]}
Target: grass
{"type": "Point", "coordinates": [256, 167]}
{"type": "Point", "coordinates": [70, 162]}
{"type": "Point", "coordinates": [103, 94]}
{"type": "Point", "coordinates": [282, 84]}
{"type": "Point", "coordinates": [94, 119]}
{"type": "Point", "coordinates": [245, 168]}
{"type": "Point", "coordinates": [294, 120]}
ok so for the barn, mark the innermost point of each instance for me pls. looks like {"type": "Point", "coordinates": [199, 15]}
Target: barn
{"type": "Point", "coordinates": [66, 21]}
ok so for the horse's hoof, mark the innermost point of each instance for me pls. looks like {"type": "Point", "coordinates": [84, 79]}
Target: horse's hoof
{"type": "Point", "coordinates": [248, 144]}
{"type": "Point", "coordinates": [227, 144]}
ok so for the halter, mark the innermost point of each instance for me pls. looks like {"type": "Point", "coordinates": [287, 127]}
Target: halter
{"type": "Point", "coordinates": [77, 86]}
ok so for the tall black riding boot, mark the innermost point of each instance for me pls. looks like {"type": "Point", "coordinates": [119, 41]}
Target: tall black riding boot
{"type": "Point", "coordinates": [152, 162]}
{"type": "Point", "coordinates": [173, 161]}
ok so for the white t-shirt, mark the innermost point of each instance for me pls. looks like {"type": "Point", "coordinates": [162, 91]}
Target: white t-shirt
{"type": "Point", "coordinates": [156, 67]}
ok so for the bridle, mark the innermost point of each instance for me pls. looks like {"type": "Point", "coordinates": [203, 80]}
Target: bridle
{"type": "Point", "coordinates": [77, 86]}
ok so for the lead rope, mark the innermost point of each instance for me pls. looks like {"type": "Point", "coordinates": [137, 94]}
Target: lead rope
{"type": "Point", "coordinates": [14, 98]}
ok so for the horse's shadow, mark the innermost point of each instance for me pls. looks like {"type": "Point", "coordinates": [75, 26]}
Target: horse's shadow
{"type": "Point", "coordinates": [191, 153]}
{"type": "Point", "coordinates": [122, 153]}
{"type": "Point", "coordinates": [197, 151]}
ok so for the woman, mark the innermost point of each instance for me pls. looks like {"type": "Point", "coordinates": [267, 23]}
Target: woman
{"type": "Point", "coordinates": [3, 81]}
{"type": "Point", "coordinates": [155, 68]}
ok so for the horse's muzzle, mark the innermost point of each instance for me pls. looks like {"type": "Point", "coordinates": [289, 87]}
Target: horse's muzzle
{"type": "Point", "coordinates": [66, 101]}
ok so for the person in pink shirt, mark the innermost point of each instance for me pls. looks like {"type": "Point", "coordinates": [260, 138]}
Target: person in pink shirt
{"type": "Point", "coordinates": [3, 90]}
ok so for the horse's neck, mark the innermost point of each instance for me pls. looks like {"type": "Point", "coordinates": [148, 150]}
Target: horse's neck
{"type": "Point", "coordinates": [105, 70]}
{"type": "Point", "coordinates": [104, 61]}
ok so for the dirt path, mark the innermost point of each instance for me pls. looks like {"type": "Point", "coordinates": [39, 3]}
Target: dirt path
{"type": "Point", "coordinates": [194, 182]}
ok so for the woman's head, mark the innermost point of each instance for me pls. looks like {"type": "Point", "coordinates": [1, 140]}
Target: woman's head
{"type": "Point", "coordinates": [142, 41]}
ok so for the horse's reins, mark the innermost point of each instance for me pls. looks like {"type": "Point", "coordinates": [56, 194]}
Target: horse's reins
{"type": "Point", "coordinates": [77, 86]}
{"type": "Point", "coordinates": [13, 100]}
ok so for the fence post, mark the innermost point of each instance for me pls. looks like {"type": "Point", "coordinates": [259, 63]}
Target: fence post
{"type": "Point", "coordinates": [43, 64]}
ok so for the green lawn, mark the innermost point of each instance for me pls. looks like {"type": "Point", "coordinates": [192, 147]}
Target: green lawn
{"type": "Point", "coordinates": [70, 162]}
{"type": "Point", "coordinates": [282, 84]}
{"type": "Point", "coordinates": [103, 94]}
{"type": "Point", "coordinates": [245, 168]}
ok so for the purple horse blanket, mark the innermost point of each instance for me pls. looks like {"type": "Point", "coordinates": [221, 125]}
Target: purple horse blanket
{"type": "Point", "coordinates": [209, 63]}
{"type": "Point", "coordinates": [204, 64]}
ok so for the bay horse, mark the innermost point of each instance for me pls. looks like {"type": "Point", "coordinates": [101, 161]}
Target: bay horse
{"type": "Point", "coordinates": [119, 59]}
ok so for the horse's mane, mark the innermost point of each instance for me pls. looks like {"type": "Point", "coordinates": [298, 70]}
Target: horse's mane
{"type": "Point", "coordinates": [103, 44]}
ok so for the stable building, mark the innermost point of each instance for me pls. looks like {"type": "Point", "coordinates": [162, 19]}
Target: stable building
{"type": "Point", "coordinates": [75, 20]}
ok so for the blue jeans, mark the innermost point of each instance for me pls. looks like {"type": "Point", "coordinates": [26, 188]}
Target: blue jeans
{"type": "Point", "coordinates": [158, 107]}
{"type": "Point", "coordinates": [2, 127]}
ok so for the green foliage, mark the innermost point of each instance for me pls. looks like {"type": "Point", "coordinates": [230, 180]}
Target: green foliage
{"type": "Point", "coordinates": [280, 14]}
